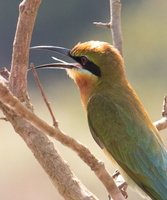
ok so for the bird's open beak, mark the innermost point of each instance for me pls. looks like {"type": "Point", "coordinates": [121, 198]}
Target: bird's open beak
{"type": "Point", "coordinates": [60, 50]}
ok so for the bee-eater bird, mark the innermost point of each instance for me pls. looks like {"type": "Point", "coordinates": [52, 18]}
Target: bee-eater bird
{"type": "Point", "coordinates": [117, 119]}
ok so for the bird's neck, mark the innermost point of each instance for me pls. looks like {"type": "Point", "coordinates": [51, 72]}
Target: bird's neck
{"type": "Point", "coordinates": [85, 82]}
{"type": "Point", "coordinates": [89, 84]}
{"type": "Point", "coordinates": [90, 87]}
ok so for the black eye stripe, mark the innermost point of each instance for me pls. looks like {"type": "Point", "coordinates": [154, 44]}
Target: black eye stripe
{"type": "Point", "coordinates": [94, 69]}
{"type": "Point", "coordinates": [88, 65]}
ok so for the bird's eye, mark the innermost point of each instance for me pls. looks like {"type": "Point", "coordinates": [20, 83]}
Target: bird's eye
{"type": "Point", "coordinates": [84, 60]}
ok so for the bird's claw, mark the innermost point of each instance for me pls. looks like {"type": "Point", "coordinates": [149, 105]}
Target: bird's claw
{"type": "Point", "coordinates": [116, 174]}
{"type": "Point", "coordinates": [120, 182]}
{"type": "Point", "coordinates": [123, 187]}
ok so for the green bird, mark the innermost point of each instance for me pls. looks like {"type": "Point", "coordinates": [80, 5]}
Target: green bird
{"type": "Point", "coordinates": [117, 119]}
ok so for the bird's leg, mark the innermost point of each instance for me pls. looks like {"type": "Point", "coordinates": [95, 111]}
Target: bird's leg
{"type": "Point", "coordinates": [120, 182]}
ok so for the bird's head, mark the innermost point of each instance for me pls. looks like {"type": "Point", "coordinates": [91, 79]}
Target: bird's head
{"type": "Point", "coordinates": [98, 64]}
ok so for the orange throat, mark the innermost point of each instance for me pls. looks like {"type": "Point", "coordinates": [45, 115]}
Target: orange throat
{"type": "Point", "coordinates": [85, 82]}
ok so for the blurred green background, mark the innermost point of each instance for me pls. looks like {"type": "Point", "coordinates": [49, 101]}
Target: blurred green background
{"type": "Point", "coordinates": [65, 23]}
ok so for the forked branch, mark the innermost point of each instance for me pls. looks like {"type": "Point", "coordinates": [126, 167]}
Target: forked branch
{"type": "Point", "coordinates": [115, 24]}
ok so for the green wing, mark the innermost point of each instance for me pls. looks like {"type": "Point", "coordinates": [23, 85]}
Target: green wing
{"type": "Point", "coordinates": [137, 150]}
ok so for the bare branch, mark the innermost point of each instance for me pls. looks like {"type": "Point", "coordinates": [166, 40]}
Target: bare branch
{"type": "Point", "coordinates": [18, 77]}
{"type": "Point", "coordinates": [57, 169]}
{"type": "Point", "coordinates": [98, 167]}
{"type": "Point", "coordinates": [59, 172]}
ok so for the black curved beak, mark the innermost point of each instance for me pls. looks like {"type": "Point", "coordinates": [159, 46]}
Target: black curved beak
{"type": "Point", "coordinates": [60, 50]}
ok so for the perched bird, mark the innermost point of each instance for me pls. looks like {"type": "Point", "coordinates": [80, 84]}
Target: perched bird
{"type": "Point", "coordinates": [117, 119]}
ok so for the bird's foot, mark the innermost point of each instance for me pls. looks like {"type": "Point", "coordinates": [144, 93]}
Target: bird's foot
{"type": "Point", "coordinates": [120, 182]}
{"type": "Point", "coordinates": [116, 174]}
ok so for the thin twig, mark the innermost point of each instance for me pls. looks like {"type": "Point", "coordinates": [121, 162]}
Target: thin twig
{"type": "Point", "coordinates": [55, 123]}
{"type": "Point", "coordinates": [101, 24]}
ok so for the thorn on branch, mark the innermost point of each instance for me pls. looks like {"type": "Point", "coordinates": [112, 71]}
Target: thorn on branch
{"type": "Point", "coordinates": [3, 118]}
{"type": "Point", "coordinates": [5, 72]}
{"type": "Point", "coordinates": [55, 123]}
{"type": "Point", "coordinates": [101, 24]}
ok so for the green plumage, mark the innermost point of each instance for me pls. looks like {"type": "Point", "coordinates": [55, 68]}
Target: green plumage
{"type": "Point", "coordinates": [136, 149]}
